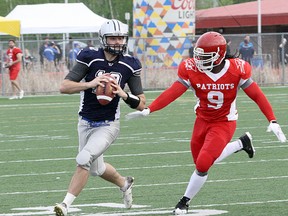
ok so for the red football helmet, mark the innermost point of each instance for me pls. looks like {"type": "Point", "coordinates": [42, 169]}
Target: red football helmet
{"type": "Point", "coordinates": [209, 51]}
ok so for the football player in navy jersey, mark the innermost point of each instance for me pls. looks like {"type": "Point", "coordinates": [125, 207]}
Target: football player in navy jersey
{"type": "Point", "coordinates": [98, 125]}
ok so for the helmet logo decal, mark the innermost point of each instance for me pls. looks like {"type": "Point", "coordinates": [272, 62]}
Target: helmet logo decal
{"type": "Point", "coordinates": [199, 50]}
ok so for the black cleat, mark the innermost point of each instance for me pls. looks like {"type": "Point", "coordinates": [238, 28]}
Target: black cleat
{"type": "Point", "coordinates": [182, 206]}
{"type": "Point", "coordinates": [248, 147]}
{"type": "Point", "coordinates": [60, 209]}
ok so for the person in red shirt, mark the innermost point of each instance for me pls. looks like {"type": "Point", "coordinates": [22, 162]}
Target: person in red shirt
{"type": "Point", "coordinates": [13, 64]}
{"type": "Point", "coordinates": [215, 79]}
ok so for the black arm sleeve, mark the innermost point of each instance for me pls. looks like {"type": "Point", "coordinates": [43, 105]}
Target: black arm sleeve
{"type": "Point", "coordinates": [77, 73]}
{"type": "Point", "coordinates": [135, 85]}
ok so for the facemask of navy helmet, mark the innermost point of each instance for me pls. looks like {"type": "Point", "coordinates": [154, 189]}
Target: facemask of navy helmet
{"type": "Point", "coordinates": [113, 28]}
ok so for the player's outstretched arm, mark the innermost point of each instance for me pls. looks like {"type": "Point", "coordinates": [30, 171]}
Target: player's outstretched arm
{"type": "Point", "coordinates": [163, 100]}
{"type": "Point", "coordinates": [137, 114]}
{"type": "Point", "coordinates": [256, 94]}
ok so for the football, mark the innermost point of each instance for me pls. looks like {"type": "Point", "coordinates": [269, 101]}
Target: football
{"type": "Point", "coordinates": [105, 94]}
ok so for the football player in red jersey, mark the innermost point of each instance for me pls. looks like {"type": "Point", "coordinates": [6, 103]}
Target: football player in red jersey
{"type": "Point", "coordinates": [14, 66]}
{"type": "Point", "coordinates": [215, 79]}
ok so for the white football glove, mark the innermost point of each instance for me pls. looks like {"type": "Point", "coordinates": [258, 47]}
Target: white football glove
{"type": "Point", "coordinates": [275, 127]}
{"type": "Point", "coordinates": [137, 114]}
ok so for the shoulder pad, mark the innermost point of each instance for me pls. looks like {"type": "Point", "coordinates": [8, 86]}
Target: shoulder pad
{"type": "Point", "coordinates": [133, 62]}
{"type": "Point", "coordinates": [88, 54]}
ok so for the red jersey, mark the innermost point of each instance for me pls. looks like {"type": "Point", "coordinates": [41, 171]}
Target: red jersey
{"type": "Point", "coordinates": [12, 56]}
{"type": "Point", "coordinates": [216, 93]}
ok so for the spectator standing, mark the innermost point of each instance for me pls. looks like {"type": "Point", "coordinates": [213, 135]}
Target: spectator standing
{"type": "Point", "coordinates": [58, 56]}
{"type": "Point", "coordinates": [246, 49]}
{"type": "Point", "coordinates": [14, 66]}
{"type": "Point", "coordinates": [73, 54]}
{"type": "Point", "coordinates": [90, 43]}
{"type": "Point", "coordinates": [191, 49]}
{"type": "Point", "coordinates": [68, 47]}
{"type": "Point", "coordinates": [41, 50]}
{"type": "Point", "coordinates": [28, 60]}
{"type": "Point", "coordinates": [283, 51]}
{"type": "Point", "coordinates": [228, 48]}
{"type": "Point", "coordinates": [49, 55]}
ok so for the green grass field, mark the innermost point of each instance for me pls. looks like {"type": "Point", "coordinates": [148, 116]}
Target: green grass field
{"type": "Point", "coordinates": [39, 143]}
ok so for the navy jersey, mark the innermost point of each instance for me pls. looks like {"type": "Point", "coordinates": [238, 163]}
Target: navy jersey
{"type": "Point", "coordinates": [122, 68]}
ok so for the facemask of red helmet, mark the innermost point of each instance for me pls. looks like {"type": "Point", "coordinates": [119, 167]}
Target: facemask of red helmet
{"type": "Point", "coordinates": [210, 51]}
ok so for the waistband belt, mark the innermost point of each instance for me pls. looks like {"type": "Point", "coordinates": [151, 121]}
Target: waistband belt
{"type": "Point", "coordinates": [97, 123]}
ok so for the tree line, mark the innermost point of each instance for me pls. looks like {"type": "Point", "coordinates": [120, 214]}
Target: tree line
{"type": "Point", "coordinates": [108, 8]}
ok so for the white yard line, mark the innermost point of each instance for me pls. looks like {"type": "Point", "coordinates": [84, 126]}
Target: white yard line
{"type": "Point", "coordinates": [148, 185]}
{"type": "Point", "coordinates": [197, 210]}
{"type": "Point", "coordinates": [125, 155]}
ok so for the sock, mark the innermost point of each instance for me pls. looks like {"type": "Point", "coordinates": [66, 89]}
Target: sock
{"type": "Point", "coordinates": [124, 188]}
{"type": "Point", "coordinates": [195, 184]}
{"type": "Point", "coordinates": [68, 200]}
{"type": "Point", "coordinates": [230, 148]}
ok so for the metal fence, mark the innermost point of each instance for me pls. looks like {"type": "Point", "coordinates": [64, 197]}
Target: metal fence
{"type": "Point", "coordinates": [269, 63]}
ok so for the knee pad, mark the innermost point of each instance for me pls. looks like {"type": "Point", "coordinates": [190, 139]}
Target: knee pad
{"type": "Point", "coordinates": [84, 159]}
{"type": "Point", "coordinates": [204, 162]}
{"type": "Point", "coordinates": [97, 169]}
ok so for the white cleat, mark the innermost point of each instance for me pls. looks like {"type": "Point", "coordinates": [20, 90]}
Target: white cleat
{"type": "Point", "coordinates": [14, 97]}
{"type": "Point", "coordinates": [127, 195]}
{"type": "Point", "coordinates": [21, 94]}
{"type": "Point", "coordinates": [60, 209]}
{"type": "Point", "coordinates": [180, 211]}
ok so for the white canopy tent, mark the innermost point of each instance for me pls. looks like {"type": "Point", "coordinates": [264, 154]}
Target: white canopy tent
{"type": "Point", "coordinates": [56, 18]}
{"type": "Point", "coordinates": [53, 18]}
